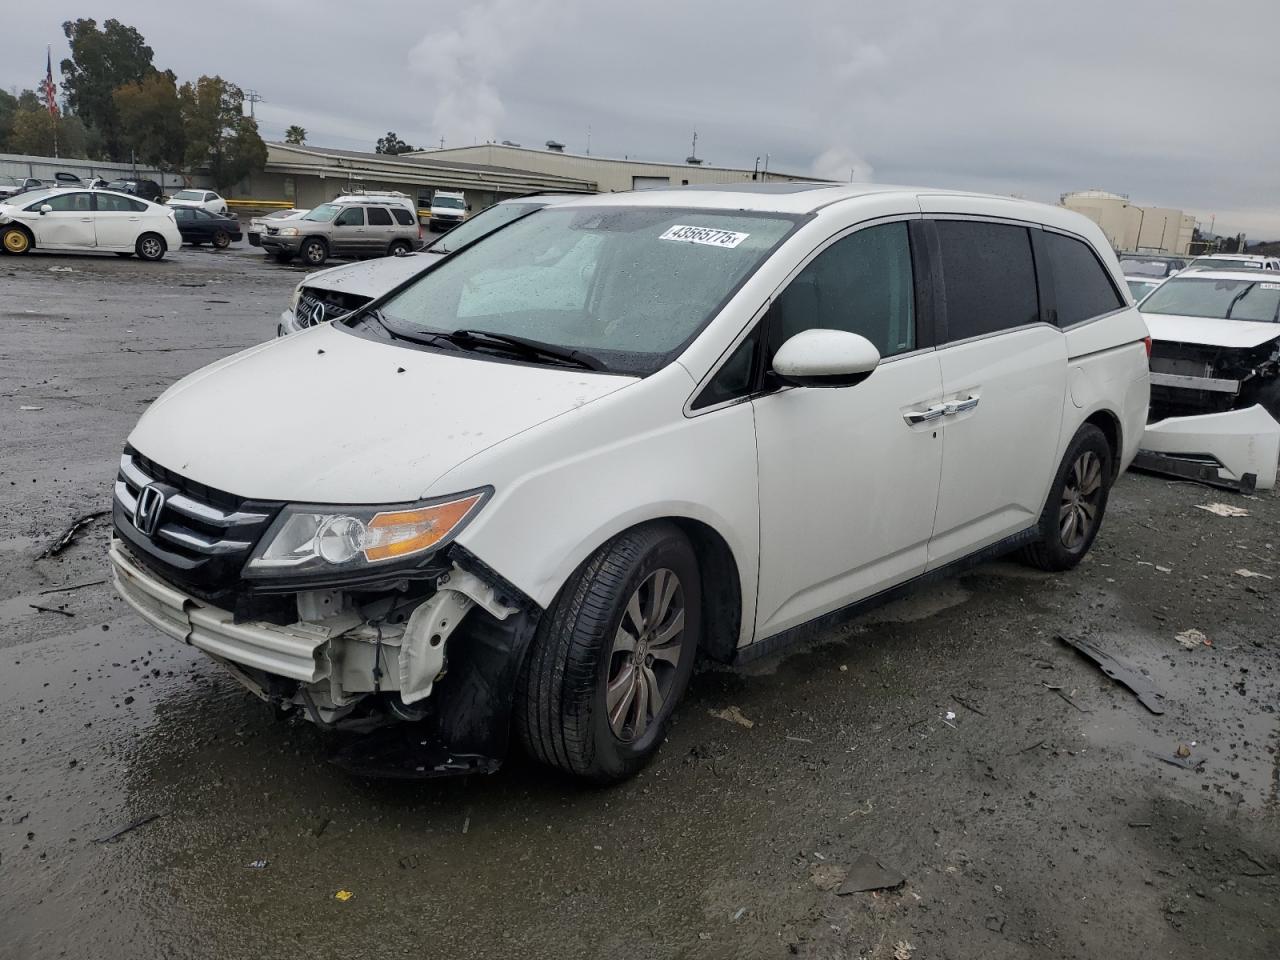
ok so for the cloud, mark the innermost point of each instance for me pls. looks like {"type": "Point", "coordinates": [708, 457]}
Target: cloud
{"type": "Point", "coordinates": [841, 163]}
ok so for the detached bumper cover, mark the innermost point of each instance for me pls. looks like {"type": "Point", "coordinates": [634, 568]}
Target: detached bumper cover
{"type": "Point", "coordinates": [1236, 448]}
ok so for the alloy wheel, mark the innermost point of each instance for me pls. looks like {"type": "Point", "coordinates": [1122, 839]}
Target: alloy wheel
{"type": "Point", "coordinates": [150, 248]}
{"type": "Point", "coordinates": [1080, 496]}
{"type": "Point", "coordinates": [645, 653]}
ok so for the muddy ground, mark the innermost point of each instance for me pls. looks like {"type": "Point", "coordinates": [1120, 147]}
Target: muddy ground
{"type": "Point", "coordinates": [1028, 821]}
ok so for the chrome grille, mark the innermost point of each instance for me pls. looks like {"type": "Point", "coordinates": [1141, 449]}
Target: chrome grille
{"type": "Point", "coordinates": [320, 306]}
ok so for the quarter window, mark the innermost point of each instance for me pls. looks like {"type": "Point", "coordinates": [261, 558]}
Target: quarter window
{"type": "Point", "coordinates": [1082, 289]}
{"type": "Point", "coordinates": [862, 283]}
{"type": "Point", "coordinates": [350, 217]}
{"type": "Point", "coordinates": [379, 217]}
{"type": "Point", "coordinates": [989, 277]}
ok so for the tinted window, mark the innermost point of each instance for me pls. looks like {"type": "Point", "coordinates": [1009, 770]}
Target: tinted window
{"type": "Point", "coordinates": [112, 204]}
{"type": "Point", "coordinates": [862, 283]}
{"type": "Point", "coordinates": [67, 202]}
{"type": "Point", "coordinates": [734, 379]}
{"type": "Point", "coordinates": [182, 213]}
{"type": "Point", "coordinates": [1081, 288]}
{"type": "Point", "coordinates": [989, 277]}
{"type": "Point", "coordinates": [379, 217]}
{"type": "Point", "coordinates": [351, 217]}
{"type": "Point", "coordinates": [403, 217]}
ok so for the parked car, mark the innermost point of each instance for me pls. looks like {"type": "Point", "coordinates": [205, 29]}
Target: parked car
{"type": "Point", "coordinates": [258, 225]}
{"type": "Point", "coordinates": [146, 189]}
{"type": "Point", "coordinates": [12, 186]}
{"type": "Point", "coordinates": [61, 219]}
{"type": "Point", "coordinates": [1234, 261]}
{"type": "Point", "coordinates": [1215, 378]}
{"type": "Point", "coordinates": [1151, 264]}
{"type": "Point", "coordinates": [1139, 287]}
{"type": "Point", "coordinates": [198, 226]}
{"type": "Point", "coordinates": [63, 178]}
{"type": "Point", "coordinates": [332, 293]}
{"type": "Point", "coordinates": [364, 226]}
{"type": "Point", "coordinates": [205, 199]}
{"type": "Point", "coordinates": [447, 210]}
{"type": "Point", "coordinates": [622, 431]}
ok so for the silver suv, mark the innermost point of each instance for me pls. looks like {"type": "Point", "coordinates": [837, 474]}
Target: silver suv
{"type": "Point", "coordinates": [350, 226]}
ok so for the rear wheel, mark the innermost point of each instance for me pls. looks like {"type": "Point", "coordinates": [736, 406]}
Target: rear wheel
{"type": "Point", "coordinates": [1077, 502]}
{"type": "Point", "coordinates": [612, 656]}
{"type": "Point", "coordinates": [398, 248]}
{"type": "Point", "coordinates": [150, 247]}
{"type": "Point", "coordinates": [221, 239]}
{"type": "Point", "coordinates": [314, 252]}
{"type": "Point", "coordinates": [13, 239]}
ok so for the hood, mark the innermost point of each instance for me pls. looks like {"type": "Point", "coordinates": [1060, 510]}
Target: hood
{"type": "Point", "coordinates": [371, 278]}
{"type": "Point", "coordinates": [1209, 332]}
{"type": "Point", "coordinates": [328, 417]}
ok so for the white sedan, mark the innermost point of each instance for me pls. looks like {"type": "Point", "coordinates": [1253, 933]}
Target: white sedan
{"type": "Point", "coordinates": [64, 219]}
{"type": "Point", "coordinates": [205, 199]}
{"type": "Point", "coordinates": [258, 225]}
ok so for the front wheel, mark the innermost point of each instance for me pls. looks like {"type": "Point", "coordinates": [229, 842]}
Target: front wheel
{"type": "Point", "coordinates": [150, 247]}
{"type": "Point", "coordinates": [613, 656]}
{"type": "Point", "coordinates": [1077, 501]}
{"type": "Point", "coordinates": [221, 240]}
{"type": "Point", "coordinates": [314, 252]}
{"type": "Point", "coordinates": [15, 240]}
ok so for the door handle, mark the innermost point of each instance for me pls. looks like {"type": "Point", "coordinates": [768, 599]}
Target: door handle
{"type": "Point", "coordinates": [936, 412]}
{"type": "Point", "coordinates": [86, 219]}
{"type": "Point", "coordinates": [134, 219]}
{"type": "Point", "coordinates": [953, 407]}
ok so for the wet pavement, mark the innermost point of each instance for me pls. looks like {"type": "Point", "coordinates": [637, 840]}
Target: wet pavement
{"type": "Point", "coordinates": [1029, 821]}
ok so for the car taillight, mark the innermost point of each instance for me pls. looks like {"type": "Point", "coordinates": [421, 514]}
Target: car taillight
{"type": "Point", "coordinates": [1146, 342]}
{"type": "Point", "coordinates": [419, 231]}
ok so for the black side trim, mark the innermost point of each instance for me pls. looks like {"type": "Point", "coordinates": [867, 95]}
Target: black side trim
{"type": "Point", "coordinates": [507, 591]}
{"type": "Point", "coordinates": [808, 630]}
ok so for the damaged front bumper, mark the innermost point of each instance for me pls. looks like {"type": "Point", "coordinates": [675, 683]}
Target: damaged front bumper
{"type": "Point", "coordinates": [1236, 449]}
{"type": "Point", "coordinates": [448, 661]}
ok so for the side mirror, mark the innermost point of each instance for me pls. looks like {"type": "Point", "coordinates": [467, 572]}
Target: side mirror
{"type": "Point", "coordinates": [45, 208]}
{"type": "Point", "coordinates": [825, 358]}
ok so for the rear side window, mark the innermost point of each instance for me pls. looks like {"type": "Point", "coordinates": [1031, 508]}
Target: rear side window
{"type": "Point", "coordinates": [1082, 289]}
{"type": "Point", "coordinates": [989, 277]}
{"type": "Point", "coordinates": [861, 283]}
{"type": "Point", "coordinates": [379, 217]}
{"type": "Point", "coordinates": [351, 217]}
{"type": "Point", "coordinates": [114, 204]}
{"type": "Point", "coordinates": [403, 217]}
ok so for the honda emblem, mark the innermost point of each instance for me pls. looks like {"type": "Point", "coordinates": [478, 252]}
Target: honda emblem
{"type": "Point", "coordinates": [146, 512]}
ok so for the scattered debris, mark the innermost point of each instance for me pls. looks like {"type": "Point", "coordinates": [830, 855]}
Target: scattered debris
{"type": "Point", "coordinates": [409, 862]}
{"type": "Point", "coordinates": [733, 715]}
{"type": "Point", "coordinates": [37, 607]}
{"type": "Point", "coordinates": [62, 270]}
{"type": "Point", "coordinates": [76, 586]}
{"type": "Point", "coordinates": [343, 895]}
{"type": "Point", "coordinates": [951, 715]}
{"type": "Point", "coordinates": [1120, 672]}
{"type": "Point", "coordinates": [1252, 573]}
{"type": "Point", "coordinates": [77, 525]}
{"type": "Point", "coordinates": [321, 827]}
{"type": "Point", "coordinates": [799, 739]}
{"type": "Point", "coordinates": [29, 408]}
{"type": "Point", "coordinates": [1182, 751]}
{"type": "Point", "coordinates": [1193, 638]}
{"type": "Point", "coordinates": [258, 865]}
{"type": "Point", "coordinates": [1185, 761]}
{"type": "Point", "coordinates": [859, 813]}
{"type": "Point", "coordinates": [466, 824]}
{"type": "Point", "coordinates": [1164, 569]}
{"type": "Point", "coordinates": [902, 950]}
{"type": "Point", "coordinates": [1264, 869]}
{"type": "Point", "coordinates": [1222, 509]}
{"type": "Point", "coordinates": [134, 825]}
{"type": "Point", "coordinates": [1136, 824]}
{"type": "Point", "coordinates": [738, 915]}
{"type": "Point", "coordinates": [1038, 743]}
{"type": "Point", "coordinates": [1060, 692]}
{"type": "Point", "coordinates": [968, 704]}
{"type": "Point", "coordinates": [994, 923]}
{"type": "Point", "coordinates": [867, 874]}
{"type": "Point", "coordinates": [844, 668]}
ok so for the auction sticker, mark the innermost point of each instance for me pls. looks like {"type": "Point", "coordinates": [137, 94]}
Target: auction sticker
{"type": "Point", "coordinates": [1271, 286]}
{"type": "Point", "coordinates": [704, 235]}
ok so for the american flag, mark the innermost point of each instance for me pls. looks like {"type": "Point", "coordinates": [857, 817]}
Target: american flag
{"type": "Point", "coordinates": [50, 91]}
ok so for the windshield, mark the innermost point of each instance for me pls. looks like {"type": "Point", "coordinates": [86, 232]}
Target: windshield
{"type": "Point", "coordinates": [1140, 288]}
{"type": "Point", "coordinates": [1217, 299]}
{"type": "Point", "coordinates": [280, 214]}
{"type": "Point", "coordinates": [452, 203]}
{"type": "Point", "coordinates": [628, 285]}
{"type": "Point", "coordinates": [1224, 263]}
{"type": "Point", "coordinates": [482, 224]}
{"type": "Point", "coordinates": [10, 182]}
{"type": "Point", "coordinates": [1145, 268]}
{"type": "Point", "coordinates": [189, 195]}
{"type": "Point", "coordinates": [323, 213]}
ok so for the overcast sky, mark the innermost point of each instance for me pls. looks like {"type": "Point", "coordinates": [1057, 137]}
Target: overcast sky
{"type": "Point", "coordinates": [1173, 103]}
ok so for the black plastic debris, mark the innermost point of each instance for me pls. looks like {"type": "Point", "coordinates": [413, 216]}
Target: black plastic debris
{"type": "Point", "coordinates": [393, 754]}
{"type": "Point", "coordinates": [73, 531]}
{"type": "Point", "coordinates": [1185, 762]}
{"type": "Point", "coordinates": [866, 874]}
{"type": "Point", "coordinates": [1121, 672]}
{"type": "Point", "coordinates": [133, 825]}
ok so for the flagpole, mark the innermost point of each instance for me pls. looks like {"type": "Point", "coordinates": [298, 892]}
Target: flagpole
{"type": "Point", "coordinates": [49, 94]}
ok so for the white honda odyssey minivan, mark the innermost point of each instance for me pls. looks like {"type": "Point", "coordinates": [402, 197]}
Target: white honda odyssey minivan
{"type": "Point", "coordinates": [528, 487]}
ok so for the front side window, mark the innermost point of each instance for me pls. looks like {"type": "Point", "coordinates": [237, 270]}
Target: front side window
{"type": "Point", "coordinates": [630, 286]}
{"type": "Point", "coordinates": [1082, 289]}
{"type": "Point", "coordinates": [1188, 296]}
{"type": "Point", "coordinates": [350, 217]}
{"type": "Point", "coordinates": [862, 283]}
{"type": "Point", "coordinates": [66, 202]}
{"type": "Point", "coordinates": [989, 277]}
{"type": "Point", "coordinates": [379, 217]}
{"type": "Point", "coordinates": [481, 225]}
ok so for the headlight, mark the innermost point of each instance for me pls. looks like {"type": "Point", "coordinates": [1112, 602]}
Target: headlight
{"type": "Point", "coordinates": [308, 539]}
{"type": "Point", "coordinates": [288, 231]}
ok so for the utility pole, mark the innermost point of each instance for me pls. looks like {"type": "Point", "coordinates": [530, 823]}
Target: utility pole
{"type": "Point", "coordinates": [442, 143]}
{"type": "Point", "coordinates": [588, 139]}
{"type": "Point", "coordinates": [254, 99]}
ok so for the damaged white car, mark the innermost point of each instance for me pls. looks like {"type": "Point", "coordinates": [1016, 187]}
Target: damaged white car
{"type": "Point", "coordinates": [1215, 378]}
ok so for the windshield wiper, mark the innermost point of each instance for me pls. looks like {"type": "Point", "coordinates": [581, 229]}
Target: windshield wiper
{"type": "Point", "coordinates": [526, 347]}
{"type": "Point", "coordinates": [420, 337]}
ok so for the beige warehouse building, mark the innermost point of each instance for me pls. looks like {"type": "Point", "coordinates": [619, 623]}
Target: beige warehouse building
{"type": "Point", "coordinates": [1131, 227]}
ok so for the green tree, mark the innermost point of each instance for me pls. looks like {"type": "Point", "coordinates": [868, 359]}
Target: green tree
{"type": "Point", "coordinates": [151, 120]}
{"type": "Point", "coordinates": [392, 144]}
{"type": "Point", "coordinates": [220, 138]}
{"type": "Point", "coordinates": [8, 107]}
{"type": "Point", "coordinates": [34, 130]}
{"type": "Point", "coordinates": [30, 100]}
{"type": "Point", "coordinates": [101, 61]}
{"type": "Point", "coordinates": [296, 135]}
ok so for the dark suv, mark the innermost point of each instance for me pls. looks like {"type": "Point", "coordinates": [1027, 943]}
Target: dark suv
{"type": "Point", "coordinates": [146, 189]}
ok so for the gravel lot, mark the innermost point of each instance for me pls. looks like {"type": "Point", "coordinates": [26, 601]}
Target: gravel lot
{"type": "Point", "coordinates": [1032, 823]}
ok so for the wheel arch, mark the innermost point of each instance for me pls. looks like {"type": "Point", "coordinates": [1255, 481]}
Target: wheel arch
{"type": "Point", "coordinates": [1109, 423]}
{"type": "Point", "coordinates": [721, 589]}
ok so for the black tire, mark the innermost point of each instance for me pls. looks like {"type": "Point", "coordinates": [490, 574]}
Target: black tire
{"type": "Point", "coordinates": [283, 257]}
{"type": "Point", "coordinates": [16, 240]}
{"type": "Point", "coordinates": [150, 246]}
{"type": "Point", "coordinates": [1063, 542]}
{"type": "Point", "coordinates": [398, 248]}
{"type": "Point", "coordinates": [314, 251]}
{"type": "Point", "coordinates": [221, 240]}
{"type": "Point", "coordinates": [561, 714]}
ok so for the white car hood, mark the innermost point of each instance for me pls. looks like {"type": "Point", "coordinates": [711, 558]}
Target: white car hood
{"type": "Point", "coordinates": [1209, 332]}
{"type": "Point", "coordinates": [371, 278]}
{"type": "Point", "coordinates": [328, 417]}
